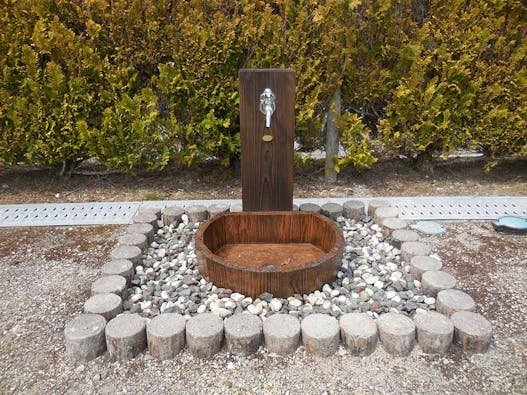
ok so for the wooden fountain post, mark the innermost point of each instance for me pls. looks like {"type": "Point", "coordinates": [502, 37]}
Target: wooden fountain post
{"type": "Point", "coordinates": [267, 126]}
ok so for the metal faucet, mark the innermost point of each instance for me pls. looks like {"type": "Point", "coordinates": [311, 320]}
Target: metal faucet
{"type": "Point", "coordinates": [267, 105]}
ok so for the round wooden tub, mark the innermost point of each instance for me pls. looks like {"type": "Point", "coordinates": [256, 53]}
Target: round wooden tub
{"type": "Point", "coordinates": [281, 252]}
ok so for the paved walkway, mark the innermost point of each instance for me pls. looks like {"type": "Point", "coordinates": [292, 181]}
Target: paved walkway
{"type": "Point", "coordinates": [413, 208]}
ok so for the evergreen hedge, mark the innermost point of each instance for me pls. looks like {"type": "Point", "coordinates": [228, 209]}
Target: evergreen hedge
{"type": "Point", "coordinates": [142, 84]}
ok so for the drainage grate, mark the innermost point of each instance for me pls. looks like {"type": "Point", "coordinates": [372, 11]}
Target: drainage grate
{"type": "Point", "coordinates": [67, 214]}
{"type": "Point", "coordinates": [412, 208]}
{"type": "Point", "coordinates": [460, 207]}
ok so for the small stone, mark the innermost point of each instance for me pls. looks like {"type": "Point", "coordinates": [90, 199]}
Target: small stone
{"type": "Point", "coordinates": [450, 301]}
{"type": "Point", "coordinates": [108, 305]}
{"type": "Point", "coordinates": [85, 337]}
{"type": "Point", "coordinates": [430, 301]}
{"type": "Point", "coordinates": [201, 309]}
{"type": "Point", "coordinates": [434, 332]}
{"type": "Point", "coordinates": [243, 333]}
{"type": "Point", "coordinates": [434, 281]}
{"type": "Point", "coordinates": [409, 249]}
{"type": "Point", "coordinates": [125, 336]}
{"type": "Point", "coordinates": [311, 207]}
{"type": "Point", "coordinates": [294, 302]}
{"type": "Point", "coordinates": [421, 263]}
{"type": "Point", "coordinates": [374, 204]}
{"type": "Point", "coordinates": [471, 330]}
{"type": "Point", "coordinates": [281, 333]}
{"type": "Point", "coordinates": [382, 213]}
{"type": "Point", "coordinates": [331, 210]}
{"type": "Point", "coordinates": [197, 213]}
{"type": "Point", "coordinates": [353, 209]}
{"type": "Point", "coordinates": [138, 240]}
{"type": "Point", "coordinates": [145, 229]}
{"type": "Point", "coordinates": [110, 284]}
{"type": "Point", "coordinates": [397, 333]}
{"type": "Point", "coordinates": [119, 267]}
{"type": "Point", "coordinates": [275, 304]}
{"type": "Point", "coordinates": [166, 335]}
{"type": "Point", "coordinates": [132, 253]}
{"type": "Point", "coordinates": [204, 333]}
{"type": "Point", "coordinates": [172, 215]}
{"type": "Point", "coordinates": [359, 333]}
{"type": "Point", "coordinates": [237, 297]}
{"type": "Point", "coordinates": [320, 334]}
{"type": "Point", "coordinates": [399, 236]}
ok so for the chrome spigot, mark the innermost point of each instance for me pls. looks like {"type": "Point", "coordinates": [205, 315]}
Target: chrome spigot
{"type": "Point", "coordinates": [267, 105]}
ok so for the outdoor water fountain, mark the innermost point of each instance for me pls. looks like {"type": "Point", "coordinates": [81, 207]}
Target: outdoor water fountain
{"type": "Point", "coordinates": [268, 247]}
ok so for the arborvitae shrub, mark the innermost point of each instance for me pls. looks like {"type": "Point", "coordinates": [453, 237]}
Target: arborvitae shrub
{"type": "Point", "coordinates": [140, 85]}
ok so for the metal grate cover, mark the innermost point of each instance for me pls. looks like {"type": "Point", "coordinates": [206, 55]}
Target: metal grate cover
{"type": "Point", "coordinates": [67, 214]}
{"type": "Point", "coordinates": [460, 207]}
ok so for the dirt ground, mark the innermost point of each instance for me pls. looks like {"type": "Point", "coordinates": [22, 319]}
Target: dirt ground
{"type": "Point", "coordinates": [45, 277]}
{"type": "Point", "coordinates": [387, 178]}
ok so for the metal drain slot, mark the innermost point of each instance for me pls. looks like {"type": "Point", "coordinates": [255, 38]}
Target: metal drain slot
{"type": "Point", "coordinates": [67, 214]}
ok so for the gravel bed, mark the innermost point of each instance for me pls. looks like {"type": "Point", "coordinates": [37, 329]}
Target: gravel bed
{"type": "Point", "coordinates": [373, 278]}
{"type": "Point", "coordinates": [37, 302]}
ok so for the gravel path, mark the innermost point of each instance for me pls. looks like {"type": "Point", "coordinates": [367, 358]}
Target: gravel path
{"type": "Point", "coordinates": [46, 273]}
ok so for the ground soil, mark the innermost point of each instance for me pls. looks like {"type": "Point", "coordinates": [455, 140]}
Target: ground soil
{"type": "Point", "coordinates": [387, 178]}
{"type": "Point", "coordinates": [45, 277]}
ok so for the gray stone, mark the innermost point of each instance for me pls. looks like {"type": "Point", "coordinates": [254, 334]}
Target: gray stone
{"type": "Point", "coordinates": [166, 335]}
{"type": "Point", "coordinates": [197, 213]}
{"type": "Point", "coordinates": [320, 334]}
{"type": "Point", "coordinates": [450, 301]}
{"type": "Point", "coordinates": [108, 305]}
{"type": "Point", "coordinates": [331, 210]}
{"type": "Point", "coordinates": [131, 253]}
{"type": "Point", "coordinates": [409, 249]}
{"type": "Point", "coordinates": [110, 284]}
{"type": "Point", "coordinates": [295, 207]}
{"type": "Point", "coordinates": [125, 336]}
{"type": "Point", "coordinates": [397, 333]}
{"type": "Point", "coordinates": [382, 213]}
{"type": "Point", "coordinates": [428, 227]}
{"type": "Point", "coordinates": [145, 229]}
{"type": "Point", "coordinates": [422, 263]}
{"type": "Point", "coordinates": [134, 239]}
{"type": "Point", "coordinates": [145, 218]}
{"type": "Point", "coordinates": [434, 332]}
{"type": "Point", "coordinates": [374, 204]}
{"type": "Point", "coordinates": [172, 215]}
{"type": "Point", "coordinates": [434, 281]}
{"type": "Point", "coordinates": [391, 224]}
{"type": "Point", "coordinates": [399, 236]}
{"type": "Point", "coordinates": [119, 267]}
{"type": "Point", "coordinates": [359, 333]}
{"type": "Point", "coordinates": [471, 330]}
{"type": "Point", "coordinates": [311, 207]}
{"type": "Point", "coordinates": [85, 337]}
{"type": "Point", "coordinates": [243, 333]}
{"type": "Point", "coordinates": [215, 209]}
{"type": "Point", "coordinates": [281, 333]}
{"type": "Point", "coordinates": [204, 333]}
{"type": "Point", "coordinates": [353, 209]}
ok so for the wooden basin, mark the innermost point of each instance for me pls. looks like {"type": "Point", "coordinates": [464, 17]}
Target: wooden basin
{"type": "Point", "coordinates": [281, 252]}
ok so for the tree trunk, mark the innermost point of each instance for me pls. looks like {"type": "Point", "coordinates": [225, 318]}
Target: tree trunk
{"type": "Point", "coordinates": [332, 137]}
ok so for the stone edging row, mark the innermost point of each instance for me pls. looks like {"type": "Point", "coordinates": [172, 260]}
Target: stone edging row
{"type": "Point", "coordinates": [102, 326]}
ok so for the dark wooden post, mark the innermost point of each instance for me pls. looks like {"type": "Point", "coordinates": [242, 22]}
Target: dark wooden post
{"type": "Point", "coordinates": [267, 152]}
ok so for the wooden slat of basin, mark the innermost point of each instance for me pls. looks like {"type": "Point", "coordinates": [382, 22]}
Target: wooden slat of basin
{"type": "Point", "coordinates": [288, 237]}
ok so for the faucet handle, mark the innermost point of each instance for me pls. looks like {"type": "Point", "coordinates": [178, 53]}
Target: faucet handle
{"type": "Point", "coordinates": [267, 105]}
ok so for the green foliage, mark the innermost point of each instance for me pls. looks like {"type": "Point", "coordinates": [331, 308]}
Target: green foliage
{"type": "Point", "coordinates": [140, 85]}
